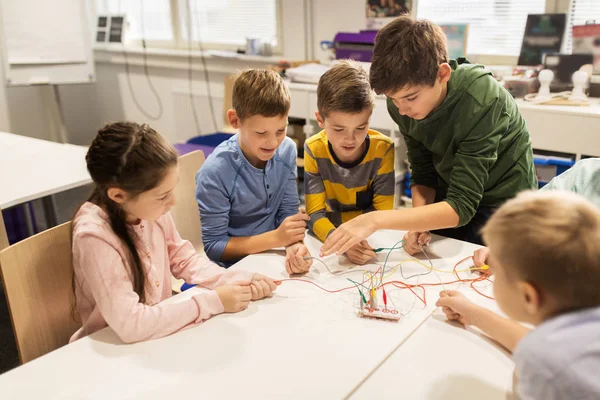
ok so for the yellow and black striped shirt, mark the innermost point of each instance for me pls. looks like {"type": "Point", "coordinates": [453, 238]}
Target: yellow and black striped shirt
{"type": "Point", "coordinates": [337, 192]}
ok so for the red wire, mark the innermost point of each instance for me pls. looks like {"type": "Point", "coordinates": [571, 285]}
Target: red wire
{"type": "Point", "coordinates": [409, 287]}
{"type": "Point", "coordinates": [482, 277]}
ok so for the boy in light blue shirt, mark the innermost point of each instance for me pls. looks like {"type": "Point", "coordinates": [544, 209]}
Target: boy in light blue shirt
{"type": "Point", "coordinates": [246, 190]}
{"type": "Point", "coordinates": [545, 256]}
{"type": "Point", "coordinates": [582, 178]}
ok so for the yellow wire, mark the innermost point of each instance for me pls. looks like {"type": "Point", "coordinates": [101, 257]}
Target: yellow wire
{"type": "Point", "coordinates": [394, 269]}
{"type": "Point", "coordinates": [370, 275]}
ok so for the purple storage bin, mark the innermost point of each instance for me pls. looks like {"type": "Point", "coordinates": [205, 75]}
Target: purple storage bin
{"type": "Point", "coordinates": [356, 46]}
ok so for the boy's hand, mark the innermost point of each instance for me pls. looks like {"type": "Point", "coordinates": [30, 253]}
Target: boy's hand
{"type": "Point", "coordinates": [348, 234]}
{"type": "Point", "coordinates": [294, 259]}
{"type": "Point", "coordinates": [360, 253]}
{"type": "Point", "coordinates": [262, 286]}
{"type": "Point", "coordinates": [457, 307]}
{"type": "Point", "coordinates": [292, 229]}
{"type": "Point", "coordinates": [412, 240]}
{"type": "Point", "coordinates": [235, 297]}
{"type": "Point", "coordinates": [480, 258]}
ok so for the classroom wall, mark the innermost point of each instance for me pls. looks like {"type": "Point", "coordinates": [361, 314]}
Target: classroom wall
{"type": "Point", "coordinates": [333, 16]}
{"type": "Point", "coordinates": [110, 100]}
{"type": "Point", "coordinates": [87, 107]}
{"type": "Point", "coordinates": [22, 110]}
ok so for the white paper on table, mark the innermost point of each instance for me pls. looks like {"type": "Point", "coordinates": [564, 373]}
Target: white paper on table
{"type": "Point", "coordinates": [52, 34]}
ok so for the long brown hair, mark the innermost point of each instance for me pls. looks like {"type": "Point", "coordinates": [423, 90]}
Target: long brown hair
{"type": "Point", "coordinates": [134, 158]}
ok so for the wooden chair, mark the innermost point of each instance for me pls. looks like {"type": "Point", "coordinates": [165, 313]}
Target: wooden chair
{"type": "Point", "coordinates": [37, 275]}
{"type": "Point", "coordinates": [185, 213]}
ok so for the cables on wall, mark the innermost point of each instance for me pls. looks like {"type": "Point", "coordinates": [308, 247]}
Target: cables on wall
{"type": "Point", "coordinates": [146, 73]}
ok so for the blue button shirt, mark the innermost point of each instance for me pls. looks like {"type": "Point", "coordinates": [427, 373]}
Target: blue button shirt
{"type": "Point", "coordinates": [560, 359]}
{"type": "Point", "coordinates": [236, 199]}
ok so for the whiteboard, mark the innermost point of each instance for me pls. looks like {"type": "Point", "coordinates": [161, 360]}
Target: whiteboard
{"type": "Point", "coordinates": [46, 42]}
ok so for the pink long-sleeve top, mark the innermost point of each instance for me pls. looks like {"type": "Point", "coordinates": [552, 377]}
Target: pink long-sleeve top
{"type": "Point", "coordinates": [104, 289]}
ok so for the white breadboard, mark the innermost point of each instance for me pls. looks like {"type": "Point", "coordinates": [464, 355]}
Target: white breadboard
{"type": "Point", "coordinates": [387, 314]}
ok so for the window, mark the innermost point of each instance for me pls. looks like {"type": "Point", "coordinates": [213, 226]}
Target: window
{"type": "Point", "coordinates": [582, 12]}
{"type": "Point", "coordinates": [229, 22]}
{"type": "Point", "coordinates": [150, 20]}
{"type": "Point", "coordinates": [216, 23]}
{"type": "Point", "coordinates": [495, 26]}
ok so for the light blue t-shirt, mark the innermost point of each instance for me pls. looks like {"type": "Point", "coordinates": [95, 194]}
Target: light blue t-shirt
{"type": "Point", "coordinates": [560, 359]}
{"type": "Point", "coordinates": [236, 199]}
{"type": "Point", "coordinates": [582, 178]}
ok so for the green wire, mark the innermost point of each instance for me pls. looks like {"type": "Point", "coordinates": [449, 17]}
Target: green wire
{"type": "Point", "coordinates": [358, 284]}
{"type": "Point", "coordinates": [359, 291]}
{"type": "Point", "coordinates": [394, 247]}
{"type": "Point", "coordinates": [380, 249]}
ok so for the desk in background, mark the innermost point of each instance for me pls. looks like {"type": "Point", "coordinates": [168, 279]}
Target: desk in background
{"type": "Point", "coordinates": [32, 169]}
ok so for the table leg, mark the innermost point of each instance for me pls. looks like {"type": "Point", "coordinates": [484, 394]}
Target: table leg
{"type": "Point", "coordinates": [50, 211]}
{"type": "Point", "coordinates": [28, 222]}
{"type": "Point", "coordinates": [33, 220]}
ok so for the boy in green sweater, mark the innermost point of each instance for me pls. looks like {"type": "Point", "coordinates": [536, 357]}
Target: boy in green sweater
{"type": "Point", "coordinates": [468, 146]}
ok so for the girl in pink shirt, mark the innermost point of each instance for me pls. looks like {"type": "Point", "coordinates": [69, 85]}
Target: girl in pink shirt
{"type": "Point", "coordinates": [126, 245]}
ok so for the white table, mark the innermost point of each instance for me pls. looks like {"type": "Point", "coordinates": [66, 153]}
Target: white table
{"type": "Point", "coordinates": [301, 343]}
{"type": "Point", "coordinates": [31, 169]}
{"type": "Point", "coordinates": [444, 361]}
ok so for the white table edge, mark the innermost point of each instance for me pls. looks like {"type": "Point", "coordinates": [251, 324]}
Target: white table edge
{"type": "Point", "coordinates": [45, 193]}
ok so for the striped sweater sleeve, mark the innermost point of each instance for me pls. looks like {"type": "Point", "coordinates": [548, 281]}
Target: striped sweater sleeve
{"type": "Point", "coordinates": [384, 183]}
{"type": "Point", "coordinates": [315, 197]}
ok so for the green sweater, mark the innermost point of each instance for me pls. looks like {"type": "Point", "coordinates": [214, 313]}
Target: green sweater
{"type": "Point", "coordinates": [474, 149]}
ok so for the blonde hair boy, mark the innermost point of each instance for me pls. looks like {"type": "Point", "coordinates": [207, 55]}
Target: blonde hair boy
{"type": "Point", "coordinates": [545, 255]}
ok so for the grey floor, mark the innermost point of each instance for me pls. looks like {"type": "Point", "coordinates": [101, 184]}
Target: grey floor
{"type": "Point", "coordinates": [66, 204]}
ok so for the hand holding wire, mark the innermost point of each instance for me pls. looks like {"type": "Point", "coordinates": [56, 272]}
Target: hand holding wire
{"type": "Point", "coordinates": [361, 253]}
{"type": "Point", "coordinates": [414, 241]}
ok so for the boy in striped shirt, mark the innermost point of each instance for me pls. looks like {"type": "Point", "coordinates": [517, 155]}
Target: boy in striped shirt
{"type": "Point", "coordinates": [349, 169]}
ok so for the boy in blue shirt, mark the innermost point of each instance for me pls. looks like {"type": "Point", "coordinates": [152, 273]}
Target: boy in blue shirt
{"type": "Point", "coordinates": [246, 190]}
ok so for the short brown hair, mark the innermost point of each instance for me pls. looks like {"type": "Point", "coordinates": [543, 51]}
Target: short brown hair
{"type": "Point", "coordinates": [260, 92]}
{"type": "Point", "coordinates": [408, 52]}
{"type": "Point", "coordinates": [344, 88]}
{"type": "Point", "coordinates": [552, 240]}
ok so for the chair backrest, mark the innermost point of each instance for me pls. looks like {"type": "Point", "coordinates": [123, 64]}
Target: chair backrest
{"type": "Point", "coordinates": [228, 102]}
{"type": "Point", "coordinates": [185, 213]}
{"type": "Point", "coordinates": [37, 275]}
{"type": "Point", "coordinates": [3, 233]}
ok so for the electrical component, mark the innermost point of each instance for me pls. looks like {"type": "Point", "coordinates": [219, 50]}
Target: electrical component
{"type": "Point", "coordinates": [386, 314]}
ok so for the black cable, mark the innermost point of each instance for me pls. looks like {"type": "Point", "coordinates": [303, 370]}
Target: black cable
{"type": "Point", "coordinates": [190, 77]}
{"type": "Point", "coordinates": [206, 76]}
{"type": "Point", "coordinates": [146, 72]}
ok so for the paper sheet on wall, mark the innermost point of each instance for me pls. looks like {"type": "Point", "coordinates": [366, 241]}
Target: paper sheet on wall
{"type": "Point", "coordinates": [36, 32]}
